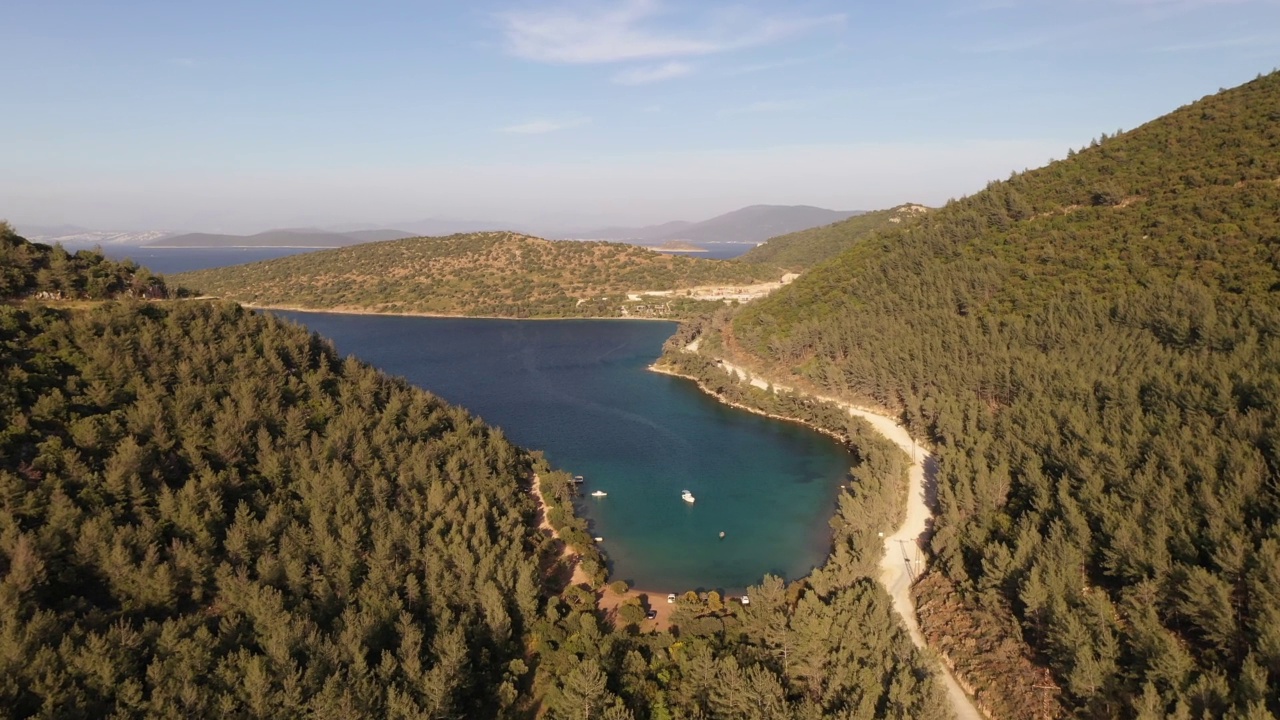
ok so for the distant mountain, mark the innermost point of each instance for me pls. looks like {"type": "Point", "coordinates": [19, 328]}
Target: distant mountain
{"type": "Point", "coordinates": [293, 237]}
{"type": "Point", "coordinates": [36, 231]}
{"type": "Point", "coordinates": [648, 233]}
{"type": "Point", "coordinates": [433, 227]}
{"type": "Point", "coordinates": [756, 223]}
{"type": "Point", "coordinates": [75, 235]}
{"type": "Point", "coordinates": [380, 235]}
{"type": "Point", "coordinates": [806, 248]}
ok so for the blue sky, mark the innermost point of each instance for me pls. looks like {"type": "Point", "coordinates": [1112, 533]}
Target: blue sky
{"type": "Point", "coordinates": [239, 116]}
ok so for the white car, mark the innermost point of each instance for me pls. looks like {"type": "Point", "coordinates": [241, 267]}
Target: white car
{"type": "Point", "coordinates": [671, 598]}
{"type": "Point", "coordinates": [746, 600]}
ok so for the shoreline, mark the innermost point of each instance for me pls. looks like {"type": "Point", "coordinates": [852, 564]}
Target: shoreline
{"type": "Point", "coordinates": [375, 313]}
{"type": "Point", "coordinates": [896, 575]}
{"type": "Point", "coordinates": [655, 367]}
{"type": "Point", "coordinates": [607, 601]}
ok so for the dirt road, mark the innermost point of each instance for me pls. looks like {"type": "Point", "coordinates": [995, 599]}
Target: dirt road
{"type": "Point", "coordinates": [903, 558]}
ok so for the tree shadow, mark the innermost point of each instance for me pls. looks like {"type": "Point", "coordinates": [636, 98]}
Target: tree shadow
{"type": "Point", "coordinates": [930, 489]}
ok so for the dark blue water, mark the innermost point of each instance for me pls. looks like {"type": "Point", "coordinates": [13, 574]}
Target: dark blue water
{"type": "Point", "coordinates": [580, 391]}
{"type": "Point", "coordinates": [175, 260]}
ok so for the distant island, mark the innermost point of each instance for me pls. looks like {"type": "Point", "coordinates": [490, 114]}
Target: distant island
{"type": "Point", "coordinates": [678, 246]}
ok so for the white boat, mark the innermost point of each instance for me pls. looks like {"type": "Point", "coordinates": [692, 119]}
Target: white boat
{"type": "Point", "coordinates": [686, 496]}
{"type": "Point", "coordinates": [599, 493]}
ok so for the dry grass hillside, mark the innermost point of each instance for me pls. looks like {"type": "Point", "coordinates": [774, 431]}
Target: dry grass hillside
{"type": "Point", "coordinates": [493, 273]}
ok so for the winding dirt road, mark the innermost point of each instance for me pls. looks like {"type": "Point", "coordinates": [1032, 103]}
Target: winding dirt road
{"type": "Point", "coordinates": [903, 559]}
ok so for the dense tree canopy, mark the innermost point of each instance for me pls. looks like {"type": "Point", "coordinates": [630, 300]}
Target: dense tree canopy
{"type": "Point", "coordinates": [806, 248]}
{"type": "Point", "coordinates": [205, 512]}
{"type": "Point", "coordinates": [1094, 347]}
{"type": "Point", "coordinates": [51, 272]}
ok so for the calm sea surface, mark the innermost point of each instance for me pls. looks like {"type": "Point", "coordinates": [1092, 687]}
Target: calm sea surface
{"type": "Point", "coordinates": [579, 391]}
{"type": "Point", "coordinates": [176, 260]}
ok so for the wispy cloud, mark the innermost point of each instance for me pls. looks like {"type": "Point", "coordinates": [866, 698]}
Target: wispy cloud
{"type": "Point", "coordinates": [542, 127]}
{"type": "Point", "coordinates": [635, 30]}
{"type": "Point", "coordinates": [653, 73]}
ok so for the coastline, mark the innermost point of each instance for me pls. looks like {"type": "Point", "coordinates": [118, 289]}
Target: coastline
{"type": "Point", "coordinates": [607, 601]}
{"type": "Point", "coordinates": [655, 367]}
{"type": "Point", "coordinates": [897, 574]}
{"type": "Point", "coordinates": [375, 313]}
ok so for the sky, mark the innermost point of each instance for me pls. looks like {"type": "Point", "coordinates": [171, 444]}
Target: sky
{"type": "Point", "coordinates": [238, 116]}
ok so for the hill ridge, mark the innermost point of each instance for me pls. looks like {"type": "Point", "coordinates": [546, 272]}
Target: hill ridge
{"type": "Point", "coordinates": [811, 246]}
{"type": "Point", "coordinates": [496, 273]}
{"type": "Point", "coordinates": [753, 223]}
{"type": "Point", "coordinates": [1085, 343]}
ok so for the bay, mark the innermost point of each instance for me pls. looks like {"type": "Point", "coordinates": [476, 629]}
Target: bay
{"type": "Point", "coordinates": [579, 390]}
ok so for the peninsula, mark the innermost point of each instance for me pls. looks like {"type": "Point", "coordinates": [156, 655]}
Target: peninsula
{"type": "Point", "coordinates": [499, 274]}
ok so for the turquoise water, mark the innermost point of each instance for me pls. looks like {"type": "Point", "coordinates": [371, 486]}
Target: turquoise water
{"type": "Point", "coordinates": [579, 391]}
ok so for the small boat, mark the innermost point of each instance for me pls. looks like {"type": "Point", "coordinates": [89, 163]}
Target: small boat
{"type": "Point", "coordinates": [686, 496]}
{"type": "Point", "coordinates": [599, 539]}
{"type": "Point", "coordinates": [599, 493]}
{"type": "Point", "coordinates": [578, 479]}
{"type": "Point", "coordinates": [721, 534]}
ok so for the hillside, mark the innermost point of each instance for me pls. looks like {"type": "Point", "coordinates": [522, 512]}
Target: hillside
{"type": "Point", "coordinates": [806, 248]}
{"type": "Point", "coordinates": [754, 223]}
{"type": "Point", "coordinates": [1093, 347]}
{"type": "Point", "coordinates": [308, 238]}
{"type": "Point", "coordinates": [206, 512]}
{"type": "Point", "coordinates": [503, 274]}
{"type": "Point", "coordinates": [49, 272]}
